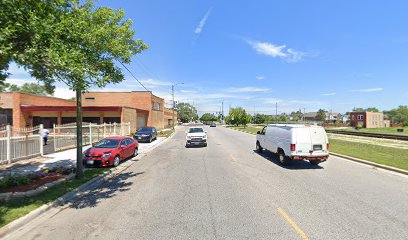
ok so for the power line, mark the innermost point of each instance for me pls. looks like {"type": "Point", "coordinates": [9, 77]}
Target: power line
{"type": "Point", "coordinates": [134, 76]}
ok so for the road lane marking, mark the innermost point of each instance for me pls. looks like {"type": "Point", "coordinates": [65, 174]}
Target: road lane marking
{"type": "Point", "coordinates": [293, 224]}
{"type": "Point", "coordinates": [232, 157]}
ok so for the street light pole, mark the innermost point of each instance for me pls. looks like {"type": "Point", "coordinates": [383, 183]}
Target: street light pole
{"type": "Point", "coordinates": [174, 104]}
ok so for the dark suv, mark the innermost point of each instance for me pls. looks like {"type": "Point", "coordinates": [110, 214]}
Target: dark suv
{"type": "Point", "coordinates": [146, 134]}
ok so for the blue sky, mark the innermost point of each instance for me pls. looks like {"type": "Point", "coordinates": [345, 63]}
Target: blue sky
{"type": "Point", "coordinates": [301, 54]}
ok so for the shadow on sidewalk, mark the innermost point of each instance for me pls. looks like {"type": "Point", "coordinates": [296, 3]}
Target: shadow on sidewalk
{"type": "Point", "coordinates": [109, 189]}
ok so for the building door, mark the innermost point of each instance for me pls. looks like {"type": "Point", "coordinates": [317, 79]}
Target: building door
{"type": "Point", "coordinates": [141, 122]}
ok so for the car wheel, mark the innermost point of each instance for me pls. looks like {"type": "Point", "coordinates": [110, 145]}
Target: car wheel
{"type": "Point", "coordinates": [116, 161]}
{"type": "Point", "coordinates": [314, 162]}
{"type": "Point", "coordinates": [258, 147]}
{"type": "Point", "coordinates": [136, 152]}
{"type": "Point", "coordinates": [283, 159]}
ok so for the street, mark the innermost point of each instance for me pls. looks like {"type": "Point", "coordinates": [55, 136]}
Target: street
{"type": "Point", "coordinates": [228, 191]}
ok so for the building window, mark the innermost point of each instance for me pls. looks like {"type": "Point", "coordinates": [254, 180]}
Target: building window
{"type": "Point", "coordinates": [158, 106]}
{"type": "Point", "coordinates": [360, 117]}
{"type": "Point", "coordinates": [152, 105]}
{"type": "Point", "coordinates": [352, 117]}
{"type": "Point", "coordinates": [6, 117]}
{"type": "Point", "coordinates": [90, 98]}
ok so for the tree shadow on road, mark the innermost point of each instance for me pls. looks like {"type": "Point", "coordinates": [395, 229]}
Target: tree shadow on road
{"type": "Point", "coordinates": [108, 189]}
{"type": "Point", "coordinates": [294, 165]}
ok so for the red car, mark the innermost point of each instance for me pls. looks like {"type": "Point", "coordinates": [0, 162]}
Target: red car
{"type": "Point", "coordinates": [110, 151]}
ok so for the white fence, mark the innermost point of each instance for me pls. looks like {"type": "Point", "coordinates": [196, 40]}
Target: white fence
{"type": "Point", "coordinates": [65, 135]}
{"type": "Point", "coordinates": [20, 143]}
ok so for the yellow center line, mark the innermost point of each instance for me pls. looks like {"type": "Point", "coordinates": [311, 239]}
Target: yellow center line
{"type": "Point", "coordinates": [293, 224]}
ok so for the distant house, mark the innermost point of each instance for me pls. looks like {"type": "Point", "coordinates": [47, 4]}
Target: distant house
{"type": "Point", "coordinates": [331, 117]}
{"type": "Point", "coordinates": [367, 119]}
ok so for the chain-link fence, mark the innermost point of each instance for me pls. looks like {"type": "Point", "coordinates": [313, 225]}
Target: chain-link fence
{"type": "Point", "coordinates": [20, 143]}
{"type": "Point", "coordinates": [65, 135]}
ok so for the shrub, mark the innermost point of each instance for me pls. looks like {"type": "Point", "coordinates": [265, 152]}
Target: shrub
{"type": "Point", "coordinates": [14, 180]}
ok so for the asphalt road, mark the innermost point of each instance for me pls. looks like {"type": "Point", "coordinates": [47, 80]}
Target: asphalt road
{"type": "Point", "coordinates": [227, 191]}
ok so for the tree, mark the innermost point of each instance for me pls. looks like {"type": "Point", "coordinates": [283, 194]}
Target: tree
{"type": "Point", "coordinates": [240, 116]}
{"type": "Point", "coordinates": [186, 112]}
{"type": "Point", "coordinates": [30, 88]}
{"type": "Point", "coordinates": [259, 118]}
{"type": "Point", "coordinates": [398, 115]}
{"type": "Point", "coordinates": [321, 115]}
{"type": "Point", "coordinates": [358, 109]}
{"type": "Point", "coordinates": [372, 109]}
{"type": "Point", "coordinates": [65, 41]}
{"type": "Point", "coordinates": [208, 117]}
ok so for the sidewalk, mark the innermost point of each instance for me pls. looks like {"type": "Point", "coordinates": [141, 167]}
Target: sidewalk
{"type": "Point", "coordinates": [64, 158]}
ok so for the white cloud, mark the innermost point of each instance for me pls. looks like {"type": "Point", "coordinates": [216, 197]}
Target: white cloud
{"type": "Point", "coordinates": [271, 100]}
{"type": "Point", "coordinates": [367, 90]}
{"type": "Point", "coordinates": [20, 81]}
{"type": "Point", "coordinates": [260, 77]}
{"type": "Point", "coordinates": [65, 93]}
{"type": "Point", "coordinates": [247, 89]}
{"type": "Point", "coordinates": [276, 51]}
{"type": "Point", "coordinates": [329, 94]}
{"type": "Point", "coordinates": [201, 25]}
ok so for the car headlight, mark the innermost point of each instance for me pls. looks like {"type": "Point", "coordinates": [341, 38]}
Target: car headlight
{"type": "Point", "coordinates": [106, 155]}
{"type": "Point", "coordinates": [205, 137]}
{"type": "Point", "coordinates": [188, 137]}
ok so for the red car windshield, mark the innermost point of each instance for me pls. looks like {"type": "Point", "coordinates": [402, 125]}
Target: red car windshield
{"type": "Point", "coordinates": [107, 143]}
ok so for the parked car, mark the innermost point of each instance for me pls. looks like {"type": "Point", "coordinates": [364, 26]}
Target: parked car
{"type": "Point", "coordinates": [294, 142]}
{"type": "Point", "coordinates": [110, 151]}
{"type": "Point", "coordinates": [196, 136]}
{"type": "Point", "coordinates": [146, 134]}
{"type": "Point", "coordinates": [213, 124]}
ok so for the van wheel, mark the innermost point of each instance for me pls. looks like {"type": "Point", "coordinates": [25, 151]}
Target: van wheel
{"type": "Point", "coordinates": [258, 147]}
{"type": "Point", "coordinates": [314, 162]}
{"type": "Point", "coordinates": [283, 159]}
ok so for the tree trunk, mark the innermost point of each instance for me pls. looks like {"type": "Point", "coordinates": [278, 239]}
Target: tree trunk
{"type": "Point", "coordinates": [79, 163]}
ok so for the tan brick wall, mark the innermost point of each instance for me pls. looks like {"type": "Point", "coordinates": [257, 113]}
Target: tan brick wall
{"type": "Point", "coordinates": [129, 115]}
{"type": "Point", "coordinates": [6, 100]}
{"type": "Point", "coordinates": [374, 120]}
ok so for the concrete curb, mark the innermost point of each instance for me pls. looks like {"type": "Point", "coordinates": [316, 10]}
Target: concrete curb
{"type": "Point", "coordinates": [12, 226]}
{"type": "Point", "coordinates": [393, 169]}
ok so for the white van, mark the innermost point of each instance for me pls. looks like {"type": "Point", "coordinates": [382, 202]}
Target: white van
{"type": "Point", "coordinates": [294, 142]}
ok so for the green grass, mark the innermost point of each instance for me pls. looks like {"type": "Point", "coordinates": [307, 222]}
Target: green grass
{"type": "Point", "coordinates": [166, 133]}
{"type": "Point", "coordinates": [393, 157]}
{"type": "Point", "coordinates": [16, 208]}
{"type": "Point", "coordinates": [390, 130]}
{"type": "Point", "coordinates": [250, 129]}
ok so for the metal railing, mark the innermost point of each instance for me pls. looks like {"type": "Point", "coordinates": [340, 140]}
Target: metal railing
{"type": "Point", "coordinates": [65, 135]}
{"type": "Point", "coordinates": [20, 143]}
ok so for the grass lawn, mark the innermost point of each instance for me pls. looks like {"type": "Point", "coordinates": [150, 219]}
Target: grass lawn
{"type": "Point", "coordinates": [16, 208]}
{"type": "Point", "coordinates": [390, 130]}
{"type": "Point", "coordinates": [250, 129]}
{"type": "Point", "coordinates": [165, 133]}
{"type": "Point", "coordinates": [384, 155]}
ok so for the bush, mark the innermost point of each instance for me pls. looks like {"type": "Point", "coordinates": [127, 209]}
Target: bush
{"type": "Point", "coordinates": [14, 180]}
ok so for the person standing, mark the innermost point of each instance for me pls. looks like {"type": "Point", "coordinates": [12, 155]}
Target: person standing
{"type": "Point", "coordinates": [45, 135]}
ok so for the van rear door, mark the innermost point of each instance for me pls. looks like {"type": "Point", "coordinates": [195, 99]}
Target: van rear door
{"type": "Point", "coordinates": [310, 139]}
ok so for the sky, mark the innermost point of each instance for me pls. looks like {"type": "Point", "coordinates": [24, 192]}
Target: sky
{"type": "Point", "coordinates": [306, 55]}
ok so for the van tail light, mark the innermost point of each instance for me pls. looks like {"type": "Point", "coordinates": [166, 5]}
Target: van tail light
{"type": "Point", "coordinates": [292, 147]}
{"type": "Point", "coordinates": [328, 146]}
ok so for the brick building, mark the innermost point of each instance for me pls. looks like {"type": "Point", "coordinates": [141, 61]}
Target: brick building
{"type": "Point", "coordinates": [140, 108]}
{"type": "Point", "coordinates": [367, 119]}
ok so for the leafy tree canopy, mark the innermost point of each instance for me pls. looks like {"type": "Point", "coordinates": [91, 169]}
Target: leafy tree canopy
{"type": "Point", "coordinates": [208, 117]}
{"type": "Point", "coordinates": [398, 115]}
{"type": "Point", "coordinates": [321, 115]}
{"type": "Point", "coordinates": [186, 112]}
{"type": "Point", "coordinates": [31, 88]}
{"type": "Point", "coordinates": [240, 116]}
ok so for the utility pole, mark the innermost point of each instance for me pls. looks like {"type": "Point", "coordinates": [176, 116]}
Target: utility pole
{"type": "Point", "coordinates": [174, 106]}
{"type": "Point", "coordinates": [174, 103]}
{"type": "Point", "coordinates": [222, 112]}
{"type": "Point", "coordinates": [276, 111]}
